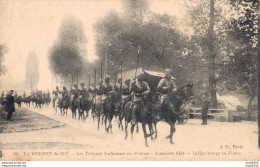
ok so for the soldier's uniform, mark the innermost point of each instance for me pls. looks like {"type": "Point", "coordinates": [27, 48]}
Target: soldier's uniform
{"type": "Point", "coordinates": [56, 95]}
{"type": "Point", "coordinates": [24, 94]}
{"type": "Point", "coordinates": [126, 90]}
{"type": "Point", "coordinates": [2, 98]}
{"type": "Point", "coordinates": [44, 97]}
{"type": "Point", "coordinates": [92, 91]}
{"type": "Point", "coordinates": [107, 88]}
{"type": "Point", "coordinates": [205, 107]}
{"type": "Point", "coordinates": [75, 92]}
{"type": "Point", "coordinates": [141, 90]}
{"type": "Point", "coordinates": [166, 86]}
{"type": "Point", "coordinates": [118, 91]}
{"type": "Point", "coordinates": [48, 96]}
{"type": "Point", "coordinates": [64, 93]}
{"type": "Point", "coordinates": [15, 96]}
{"type": "Point", "coordinates": [83, 91]}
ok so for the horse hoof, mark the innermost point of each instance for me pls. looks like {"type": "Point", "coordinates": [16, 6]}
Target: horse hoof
{"type": "Point", "coordinates": [168, 137]}
{"type": "Point", "coordinates": [171, 142]}
{"type": "Point", "coordinates": [146, 145]}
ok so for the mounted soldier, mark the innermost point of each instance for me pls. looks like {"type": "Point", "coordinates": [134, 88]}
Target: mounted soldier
{"type": "Point", "coordinates": [75, 92]}
{"type": "Point", "coordinates": [166, 87]}
{"type": "Point", "coordinates": [24, 95]}
{"type": "Point", "coordinates": [107, 88]}
{"type": "Point", "coordinates": [108, 100]}
{"type": "Point", "coordinates": [2, 98]}
{"type": "Point", "coordinates": [141, 90]}
{"type": "Point", "coordinates": [64, 93]}
{"type": "Point", "coordinates": [40, 98]}
{"type": "Point", "coordinates": [92, 90]}
{"type": "Point", "coordinates": [56, 95]}
{"type": "Point", "coordinates": [126, 92]}
{"type": "Point", "coordinates": [64, 102]}
{"type": "Point", "coordinates": [117, 89]}
{"type": "Point", "coordinates": [74, 95]}
{"type": "Point", "coordinates": [48, 95]}
{"type": "Point", "coordinates": [84, 102]}
{"type": "Point", "coordinates": [44, 97]}
{"type": "Point", "coordinates": [15, 95]}
{"type": "Point", "coordinates": [83, 91]}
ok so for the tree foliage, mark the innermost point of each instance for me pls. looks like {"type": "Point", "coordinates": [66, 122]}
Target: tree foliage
{"type": "Point", "coordinates": [66, 54]}
{"type": "Point", "coordinates": [32, 71]}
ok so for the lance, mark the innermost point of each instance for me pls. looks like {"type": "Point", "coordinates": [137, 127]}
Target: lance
{"type": "Point", "coordinates": [136, 66]}
{"type": "Point", "coordinates": [88, 80]}
{"type": "Point", "coordinates": [101, 90]}
{"type": "Point", "coordinates": [121, 73]}
{"type": "Point", "coordinates": [137, 61]}
{"type": "Point", "coordinates": [95, 82]}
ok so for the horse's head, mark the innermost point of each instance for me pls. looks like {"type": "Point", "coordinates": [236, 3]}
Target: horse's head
{"type": "Point", "coordinates": [186, 92]}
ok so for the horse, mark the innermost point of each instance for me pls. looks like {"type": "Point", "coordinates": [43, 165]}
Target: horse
{"type": "Point", "coordinates": [98, 108]}
{"type": "Point", "coordinates": [27, 100]}
{"type": "Point", "coordinates": [109, 106]}
{"type": "Point", "coordinates": [142, 115]}
{"type": "Point", "coordinates": [84, 105]}
{"type": "Point", "coordinates": [19, 101]}
{"type": "Point", "coordinates": [170, 114]}
{"type": "Point", "coordinates": [74, 104]}
{"type": "Point", "coordinates": [64, 105]}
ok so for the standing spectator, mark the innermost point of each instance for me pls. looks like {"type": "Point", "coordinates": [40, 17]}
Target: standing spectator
{"type": "Point", "coordinates": [205, 108]}
{"type": "Point", "coordinates": [10, 105]}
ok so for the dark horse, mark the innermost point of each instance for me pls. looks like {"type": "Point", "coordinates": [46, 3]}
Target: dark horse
{"type": "Point", "coordinates": [170, 113]}
{"type": "Point", "coordinates": [109, 106]}
{"type": "Point", "coordinates": [84, 105]}
{"type": "Point", "coordinates": [150, 112]}
{"type": "Point", "coordinates": [143, 115]}
{"type": "Point", "coordinates": [64, 105]}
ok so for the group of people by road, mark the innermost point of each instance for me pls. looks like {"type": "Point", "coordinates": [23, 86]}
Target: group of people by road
{"type": "Point", "coordinates": [134, 100]}
{"type": "Point", "coordinates": [9, 98]}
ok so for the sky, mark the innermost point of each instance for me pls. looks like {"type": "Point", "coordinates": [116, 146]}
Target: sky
{"type": "Point", "coordinates": [32, 25]}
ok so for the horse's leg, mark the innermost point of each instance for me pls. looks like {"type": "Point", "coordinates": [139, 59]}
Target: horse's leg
{"type": "Point", "coordinates": [172, 124]}
{"type": "Point", "coordinates": [126, 126]}
{"type": "Point", "coordinates": [151, 130]}
{"type": "Point", "coordinates": [105, 118]}
{"type": "Point", "coordinates": [155, 128]}
{"type": "Point", "coordinates": [98, 122]}
{"type": "Point", "coordinates": [137, 128]}
{"type": "Point", "coordinates": [145, 134]}
{"type": "Point", "coordinates": [132, 130]}
{"type": "Point", "coordinates": [110, 123]}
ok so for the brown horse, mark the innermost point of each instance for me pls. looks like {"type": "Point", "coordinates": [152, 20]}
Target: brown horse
{"type": "Point", "coordinates": [170, 113]}
{"type": "Point", "coordinates": [109, 106]}
{"type": "Point", "coordinates": [143, 115]}
{"type": "Point", "coordinates": [84, 105]}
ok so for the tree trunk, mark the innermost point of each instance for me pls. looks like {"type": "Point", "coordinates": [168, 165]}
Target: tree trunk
{"type": "Point", "coordinates": [212, 58]}
{"type": "Point", "coordinates": [249, 107]}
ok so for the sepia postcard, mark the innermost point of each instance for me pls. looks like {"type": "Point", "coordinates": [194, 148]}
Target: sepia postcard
{"type": "Point", "coordinates": [129, 80]}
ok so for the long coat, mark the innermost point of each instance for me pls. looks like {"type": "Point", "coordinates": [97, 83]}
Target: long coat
{"type": "Point", "coordinates": [10, 103]}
